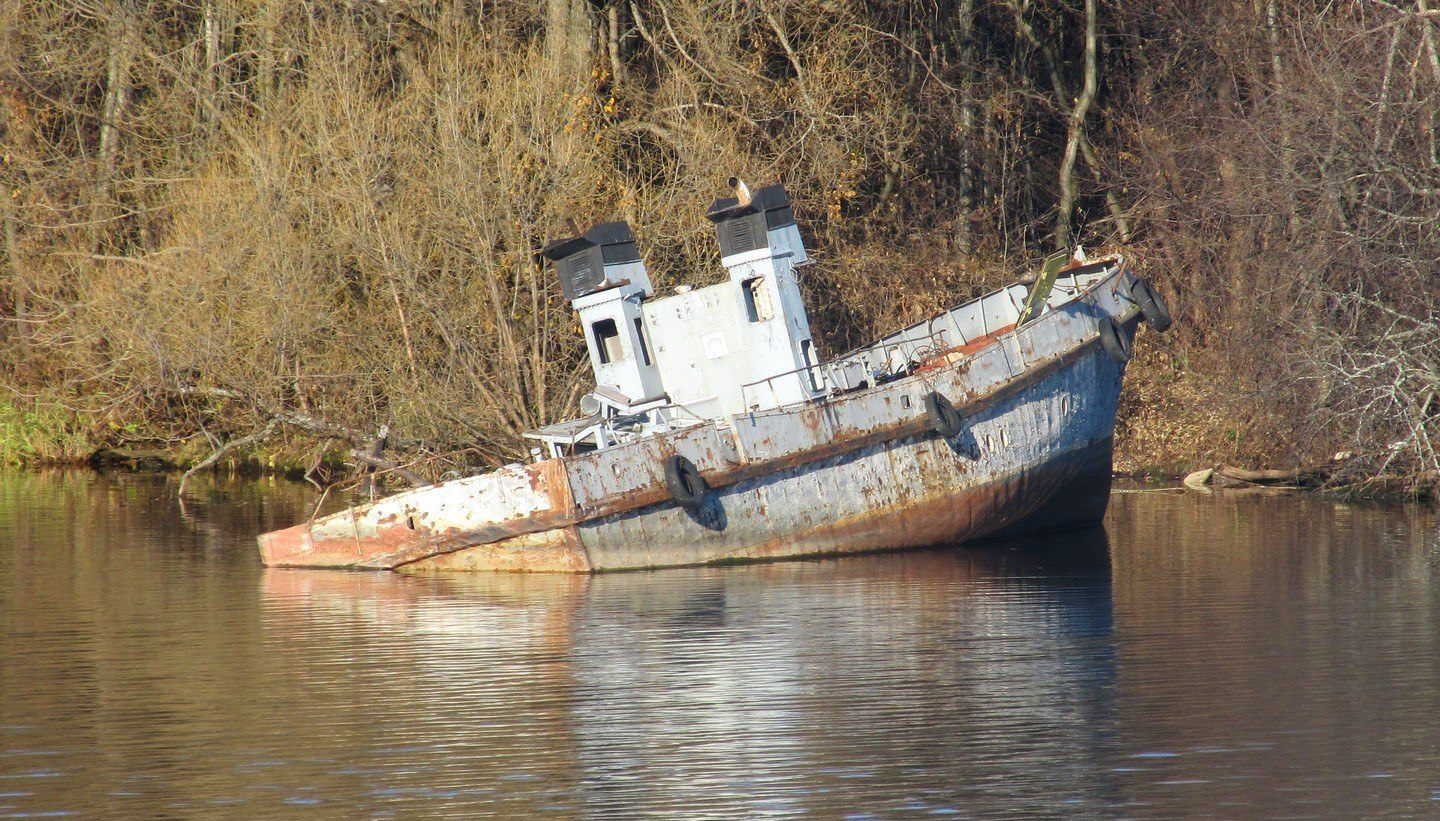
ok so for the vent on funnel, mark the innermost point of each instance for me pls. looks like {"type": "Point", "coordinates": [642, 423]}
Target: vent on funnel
{"type": "Point", "coordinates": [742, 227]}
{"type": "Point", "coordinates": [581, 261]}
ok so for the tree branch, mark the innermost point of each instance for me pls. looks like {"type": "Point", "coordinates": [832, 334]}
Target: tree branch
{"type": "Point", "coordinates": [228, 447]}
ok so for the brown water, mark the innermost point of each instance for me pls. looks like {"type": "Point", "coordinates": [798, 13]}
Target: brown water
{"type": "Point", "coordinates": [1236, 657]}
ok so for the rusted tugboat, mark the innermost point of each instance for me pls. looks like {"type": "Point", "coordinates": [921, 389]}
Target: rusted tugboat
{"type": "Point", "coordinates": [715, 434]}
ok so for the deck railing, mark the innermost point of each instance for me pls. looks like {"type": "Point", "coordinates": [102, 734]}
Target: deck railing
{"type": "Point", "coordinates": [834, 374]}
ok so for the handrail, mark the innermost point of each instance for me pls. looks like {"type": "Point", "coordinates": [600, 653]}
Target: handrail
{"type": "Point", "coordinates": [933, 337]}
{"type": "Point", "coordinates": [976, 301]}
{"type": "Point", "coordinates": [617, 427]}
{"type": "Point", "coordinates": [859, 355]}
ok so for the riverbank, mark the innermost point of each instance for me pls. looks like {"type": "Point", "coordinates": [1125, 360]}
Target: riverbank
{"type": "Point", "coordinates": [47, 434]}
{"type": "Point", "coordinates": [1172, 423]}
{"type": "Point", "coordinates": [40, 440]}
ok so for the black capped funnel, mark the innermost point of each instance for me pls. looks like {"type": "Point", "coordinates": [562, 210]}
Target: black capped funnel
{"type": "Point", "coordinates": [741, 226]}
{"type": "Point", "coordinates": [581, 261]}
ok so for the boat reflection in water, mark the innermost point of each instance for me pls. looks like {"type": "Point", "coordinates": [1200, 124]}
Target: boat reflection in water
{"type": "Point", "coordinates": [876, 683]}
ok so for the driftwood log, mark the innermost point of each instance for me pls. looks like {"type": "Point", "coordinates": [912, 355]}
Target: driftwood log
{"type": "Point", "coordinates": [1333, 478]}
{"type": "Point", "coordinates": [1389, 484]}
{"type": "Point", "coordinates": [1229, 476]}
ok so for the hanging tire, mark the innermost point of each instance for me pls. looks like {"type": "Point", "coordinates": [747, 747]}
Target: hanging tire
{"type": "Point", "coordinates": [1116, 342]}
{"type": "Point", "coordinates": [687, 486]}
{"type": "Point", "coordinates": [1152, 305]}
{"type": "Point", "coordinates": [942, 416]}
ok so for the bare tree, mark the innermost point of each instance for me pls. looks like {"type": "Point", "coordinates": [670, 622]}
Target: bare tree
{"type": "Point", "coordinates": [1076, 131]}
{"type": "Point", "coordinates": [121, 31]}
{"type": "Point", "coordinates": [278, 227]}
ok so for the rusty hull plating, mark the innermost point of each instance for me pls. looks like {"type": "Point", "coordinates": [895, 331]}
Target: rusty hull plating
{"type": "Point", "coordinates": [861, 471]}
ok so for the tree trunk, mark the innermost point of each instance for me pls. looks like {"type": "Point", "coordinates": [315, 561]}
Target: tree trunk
{"type": "Point", "coordinates": [965, 30]}
{"type": "Point", "coordinates": [1117, 214]}
{"type": "Point", "coordinates": [1062, 98]}
{"type": "Point", "coordinates": [1272, 36]}
{"type": "Point", "coordinates": [210, 79]}
{"type": "Point", "coordinates": [120, 44]}
{"type": "Point", "coordinates": [1077, 132]}
{"type": "Point", "coordinates": [617, 64]}
{"type": "Point", "coordinates": [1277, 81]}
{"type": "Point", "coordinates": [267, 59]}
{"type": "Point", "coordinates": [569, 35]}
{"type": "Point", "coordinates": [12, 265]}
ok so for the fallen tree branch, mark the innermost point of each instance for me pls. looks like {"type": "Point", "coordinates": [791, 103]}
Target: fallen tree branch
{"type": "Point", "coordinates": [295, 419]}
{"type": "Point", "coordinates": [389, 466]}
{"type": "Point", "coordinates": [228, 447]}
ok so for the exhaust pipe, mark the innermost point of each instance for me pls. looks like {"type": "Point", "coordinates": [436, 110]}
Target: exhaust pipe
{"type": "Point", "coordinates": [742, 191]}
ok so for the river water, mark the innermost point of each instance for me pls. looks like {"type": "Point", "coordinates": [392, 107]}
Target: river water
{"type": "Point", "coordinates": [1228, 656]}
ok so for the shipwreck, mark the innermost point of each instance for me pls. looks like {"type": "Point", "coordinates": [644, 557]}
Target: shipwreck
{"type": "Point", "coordinates": [715, 433]}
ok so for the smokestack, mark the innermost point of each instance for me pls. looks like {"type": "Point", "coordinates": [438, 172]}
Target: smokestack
{"type": "Point", "coordinates": [751, 221]}
{"type": "Point", "coordinates": [603, 257]}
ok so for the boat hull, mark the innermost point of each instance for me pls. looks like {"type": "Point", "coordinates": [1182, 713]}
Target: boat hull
{"type": "Point", "coordinates": [1037, 461]}
{"type": "Point", "coordinates": [861, 471]}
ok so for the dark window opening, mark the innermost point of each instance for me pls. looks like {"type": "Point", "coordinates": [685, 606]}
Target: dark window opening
{"type": "Point", "coordinates": [607, 341]}
{"type": "Point", "coordinates": [640, 341]}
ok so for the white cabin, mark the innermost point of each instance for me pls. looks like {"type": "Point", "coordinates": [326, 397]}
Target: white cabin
{"type": "Point", "coordinates": [701, 353]}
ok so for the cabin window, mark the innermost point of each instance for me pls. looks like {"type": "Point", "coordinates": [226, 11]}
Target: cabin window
{"type": "Point", "coordinates": [758, 307]}
{"type": "Point", "coordinates": [640, 341]}
{"type": "Point", "coordinates": [607, 341]}
{"type": "Point", "coordinates": [807, 355]}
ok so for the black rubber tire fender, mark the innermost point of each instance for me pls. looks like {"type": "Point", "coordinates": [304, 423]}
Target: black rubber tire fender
{"type": "Point", "coordinates": [1115, 340]}
{"type": "Point", "coordinates": [1152, 305]}
{"type": "Point", "coordinates": [687, 487]}
{"type": "Point", "coordinates": [942, 416]}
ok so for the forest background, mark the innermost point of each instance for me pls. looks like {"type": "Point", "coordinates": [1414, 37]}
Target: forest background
{"type": "Point", "coordinates": [274, 228]}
